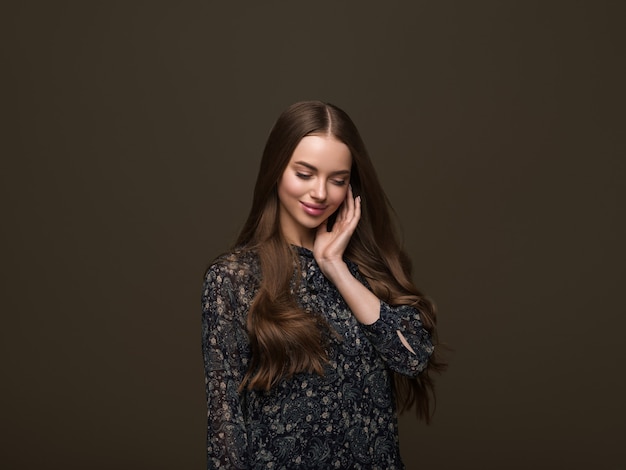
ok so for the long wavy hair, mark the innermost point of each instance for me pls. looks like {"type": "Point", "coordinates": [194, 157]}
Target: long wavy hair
{"type": "Point", "coordinates": [286, 340]}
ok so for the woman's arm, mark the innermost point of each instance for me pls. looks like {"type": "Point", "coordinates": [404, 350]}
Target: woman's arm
{"type": "Point", "coordinates": [396, 332]}
{"type": "Point", "coordinates": [400, 339]}
{"type": "Point", "coordinates": [223, 340]}
{"type": "Point", "coordinates": [328, 250]}
{"type": "Point", "coordinates": [365, 306]}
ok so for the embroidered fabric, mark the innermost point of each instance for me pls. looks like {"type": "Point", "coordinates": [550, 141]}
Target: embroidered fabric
{"type": "Point", "coordinates": [345, 419]}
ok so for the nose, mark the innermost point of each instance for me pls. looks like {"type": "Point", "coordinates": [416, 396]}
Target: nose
{"type": "Point", "coordinates": [318, 191]}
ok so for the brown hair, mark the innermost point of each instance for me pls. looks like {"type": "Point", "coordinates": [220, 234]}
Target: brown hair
{"type": "Point", "coordinates": [283, 338]}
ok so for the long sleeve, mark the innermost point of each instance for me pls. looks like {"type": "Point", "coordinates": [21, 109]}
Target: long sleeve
{"type": "Point", "coordinates": [224, 343]}
{"type": "Point", "coordinates": [398, 323]}
{"type": "Point", "coordinates": [345, 418]}
{"type": "Point", "coordinates": [386, 334]}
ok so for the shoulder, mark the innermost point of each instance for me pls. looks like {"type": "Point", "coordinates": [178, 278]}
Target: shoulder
{"type": "Point", "coordinates": [230, 284]}
{"type": "Point", "coordinates": [237, 266]}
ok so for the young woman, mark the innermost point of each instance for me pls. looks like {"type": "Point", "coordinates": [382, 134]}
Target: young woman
{"type": "Point", "coordinates": [313, 333]}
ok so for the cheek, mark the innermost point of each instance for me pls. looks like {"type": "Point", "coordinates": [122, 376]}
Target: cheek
{"type": "Point", "coordinates": [289, 187]}
{"type": "Point", "coordinates": [338, 194]}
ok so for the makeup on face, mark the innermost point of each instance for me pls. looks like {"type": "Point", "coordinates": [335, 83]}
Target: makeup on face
{"type": "Point", "coordinates": [313, 185]}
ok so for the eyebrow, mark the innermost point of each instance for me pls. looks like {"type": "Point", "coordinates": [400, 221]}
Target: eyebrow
{"type": "Point", "coordinates": [312, 168]}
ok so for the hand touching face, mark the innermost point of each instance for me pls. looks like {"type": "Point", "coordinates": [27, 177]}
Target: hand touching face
{"type": "Point", "coordinates": [330, 245]}
{"type": "Point", "coordinates": [313, 186]}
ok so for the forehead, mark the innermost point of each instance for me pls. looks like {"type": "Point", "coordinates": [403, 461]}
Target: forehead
{"type": "Point", "coordinates": [322, 152]}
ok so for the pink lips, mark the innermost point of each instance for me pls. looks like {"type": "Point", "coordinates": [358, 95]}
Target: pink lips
{"type": "Point", "coordinates": [313, 209]}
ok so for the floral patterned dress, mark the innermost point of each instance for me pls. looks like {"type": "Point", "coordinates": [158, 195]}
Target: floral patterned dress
{"type": "Point", "coordinates": [345, 419]}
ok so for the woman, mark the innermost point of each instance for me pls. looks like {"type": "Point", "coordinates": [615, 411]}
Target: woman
{"type": "Point", "coordinates": [313, 333]}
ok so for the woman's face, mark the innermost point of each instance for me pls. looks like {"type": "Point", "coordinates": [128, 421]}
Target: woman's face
{"type": "Point", "coordinates": [313, 186]}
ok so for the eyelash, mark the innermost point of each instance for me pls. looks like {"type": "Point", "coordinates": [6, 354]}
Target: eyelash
{"type": "Point", "coordinates": [304, 176]}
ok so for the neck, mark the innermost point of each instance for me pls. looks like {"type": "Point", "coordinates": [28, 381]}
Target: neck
{"type": "Point", "coordinates": [305, 242]}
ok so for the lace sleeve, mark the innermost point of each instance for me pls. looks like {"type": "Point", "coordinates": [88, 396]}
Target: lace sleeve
{"type": "Point", "coordinates": [398, 335]}
{"type": "Point", "coordinates": [224, 343]}
{"type": "Point", "coordinates": [400, 339]}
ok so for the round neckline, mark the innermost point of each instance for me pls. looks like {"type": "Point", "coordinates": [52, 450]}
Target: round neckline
{"type": "Point", "coordinates": [302, 250]}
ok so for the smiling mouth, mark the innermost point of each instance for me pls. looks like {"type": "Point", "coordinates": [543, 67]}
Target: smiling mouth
{"type": "Point", "coordinates": [313, 209]}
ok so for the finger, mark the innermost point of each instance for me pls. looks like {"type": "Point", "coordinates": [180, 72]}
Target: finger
{"type": "Point", "coordinates": [346, 210]}
{"type": "Point", "coordinates": [349, 202]}
{"type": "Point", "coordinates": [357, 208]}
{"type": "Point", "coordinates": [355, 216]}
{"type": "Point", "coordinates": [353, 221]}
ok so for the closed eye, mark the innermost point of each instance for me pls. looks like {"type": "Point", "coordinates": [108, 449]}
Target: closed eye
{"type": "Point", "coordinates": [303, 176]}
{"type": "Point", "coordinates": [339, 182]}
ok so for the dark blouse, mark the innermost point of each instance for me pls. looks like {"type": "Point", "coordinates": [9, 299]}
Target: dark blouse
{"type": "Point", "coordinates": [345, 419]}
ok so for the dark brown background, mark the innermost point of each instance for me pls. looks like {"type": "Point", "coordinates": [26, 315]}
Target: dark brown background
{"type": "Point", "coordinates": [131, 142]}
